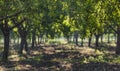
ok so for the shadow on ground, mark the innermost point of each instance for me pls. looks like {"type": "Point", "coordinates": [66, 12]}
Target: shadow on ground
{"type": "Point", "coordinates": [51, 58]}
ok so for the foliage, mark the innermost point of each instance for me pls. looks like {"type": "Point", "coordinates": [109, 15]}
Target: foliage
{"type": "Point", "coordinates": [60, 18]}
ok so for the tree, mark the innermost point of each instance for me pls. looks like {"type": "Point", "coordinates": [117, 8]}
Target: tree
{"type": "Point", "coordinates": [112, 19]}
{"type": "Point", "coordinates": [9, 9]}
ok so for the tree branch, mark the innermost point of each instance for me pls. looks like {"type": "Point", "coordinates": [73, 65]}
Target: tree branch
{"type": "Point", "coordinates": [110, 26]}
{"type": "Point", "coordinates": [9, 16]}
{"type": "Point", "coordinates": [17, 23]}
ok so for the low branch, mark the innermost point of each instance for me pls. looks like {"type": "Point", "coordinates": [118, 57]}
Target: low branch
{"type": "Point", "coordinates": [9, 16]}
{"type": "Point", "coordinates": [113, 29]}
{"type": "Point", "coordinates": [110, 26]}
{"type": "Point", "coordinates": [17, 23]}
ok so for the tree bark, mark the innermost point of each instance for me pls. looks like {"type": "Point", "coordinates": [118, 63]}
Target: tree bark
{"type": "Point", "coordinates": [97, 41]}
{"type": "Point", "coordinates": [76, 40]}
{"type": "Point", "coordinates": [68, 39]}
{"type": "Point", "coordinates": [23, 36]}
{"type": "Point", "coordinates": [6, 46]}
{"type": "Point", "coordinates": [5, 28]}
{"type": "Point", "coordinates": [26, 46]}
{"type": "Point", "coordinates": [33, 38]}
{"type": "Point", "coordinates": [38, 40]}
{"type": "Point", "coordinates": [23, 45]}
{"type": "Point", "coordinates": [108, 37]}
{"type": "Point", "coordinates": [6, 32]}
{"type": "Point", "coordinates": [41, 38]}
{"type": "Point", "coordinates": [82, 41]}
{"type": "Point", "coordinates": [101, 39]}
{"type": "Point", "coordinates": [89, 41]}
{"type": "Point", "coordinates": [115, 37]}
{"type": "Point", "coordinates": [76, 37]}
{"type": "Point", "coordinates": [18, 40]}
{"type": "Point", "coordinates": [118, 41]}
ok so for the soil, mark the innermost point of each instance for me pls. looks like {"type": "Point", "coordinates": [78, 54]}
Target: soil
{"type": "Point", "coordinates": [56, 58]}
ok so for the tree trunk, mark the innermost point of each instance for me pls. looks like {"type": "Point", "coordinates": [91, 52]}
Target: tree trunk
{"type": "Point", "coordinates": [102, 39]}
{"type": "Point", "coordinates": [76, 40]}
{"type": "Point", "coordinates": [18, 40]}
{"type": "Point", "coordinates": [76, 37]}
{"type": "Point", "coordinates": [6, 32]}
{"type": "Point", "coordinates": [97, 41]}
{"type": "Point", "coordinates": [26, 46]}
{"type": "Point", "coordinates": [68, 39]}
{"type": "Point", "coordinates": [38, 40]}
{"type": "Point", "coordinates": [89, 41]}
{"type": "Point", "coordinates": [82, 42]}
{"type": "Point", "coordinates": [108, 37]}
{"type": "Point", "coordinates": [41, 38]}
{"type": "Point", "coordinates": [6, 46]}
{"type": "Point", "coordinates": [23, 45]}
{"type": "Point", "coordinates": [33, 38]}
{"type": "Point", "coordinates": [118, 41]}
{"type": "Point", "coordinates": [115, 37]}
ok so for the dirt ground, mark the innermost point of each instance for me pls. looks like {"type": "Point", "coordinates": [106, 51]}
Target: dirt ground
{"type": "Point", "coordinates": [56, 58]}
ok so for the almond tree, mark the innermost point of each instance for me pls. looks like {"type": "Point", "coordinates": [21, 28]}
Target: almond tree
{"type": "Point", "coordinates": [112, 19]}
{"type": "Point", "coordinates": [9, 9]}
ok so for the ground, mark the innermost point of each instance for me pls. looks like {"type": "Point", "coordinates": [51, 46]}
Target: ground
{"type": "Point", "coordinates": [63, 58]}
